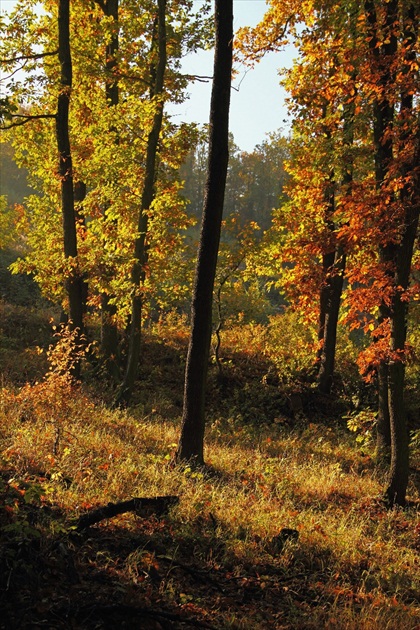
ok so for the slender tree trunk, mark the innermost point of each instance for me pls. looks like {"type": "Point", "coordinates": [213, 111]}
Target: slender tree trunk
{"type": "Point", "coordinates": [148, 195]}
{"type": "Point", "coordinates": [109, 330]}
{"type": "Point", "coordinates": [383, 425]}
{"type": "Point", "coordinates": [397, 256]}
{"type": "Point", "coordinates": [398, 474]}
{"type": "Point", "coordinates": [395, 492]}
{"type": "Point", "coordinates": [79, 197]}
{"type": "Point", "coordinates": [410, 198]}
{"type": "Point", "coordinates": [327, 263]}
{"type": "Point", "coordinates": [333, 292]}
{"type": "Point", "coordinates": [383, 115]}
{"type": "Point", "coordinates": [191, 441]}
{"type": "Point", "coordinates": [74, 282]}
{"type": "Point", "coordinates": [334, 265]}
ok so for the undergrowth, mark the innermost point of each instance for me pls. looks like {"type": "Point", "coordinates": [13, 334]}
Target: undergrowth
{"type": "Point", "coordinates": [218, 559]}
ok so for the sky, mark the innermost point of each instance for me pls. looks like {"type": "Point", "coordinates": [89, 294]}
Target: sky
{"type": "Point", "coordinates": [257, 100]}
{"type": "Point", "coordinates": [257, 103]}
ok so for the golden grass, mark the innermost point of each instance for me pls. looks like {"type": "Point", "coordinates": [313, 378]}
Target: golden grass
{"type": "Point", "coordinates": [354, 566]}
{"type": "Point", "coordinates": [359, 564]}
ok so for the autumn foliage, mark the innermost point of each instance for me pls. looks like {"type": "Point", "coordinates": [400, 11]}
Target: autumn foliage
{"type": "Point", "coordinates": [298, 499]}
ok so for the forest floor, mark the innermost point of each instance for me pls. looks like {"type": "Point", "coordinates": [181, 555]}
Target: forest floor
{"type": "Point", "coordinates": [283, 528]}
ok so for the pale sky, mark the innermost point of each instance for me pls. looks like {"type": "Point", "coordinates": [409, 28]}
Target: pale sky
{"type": "Point", "coordinates": [257, 103]}
{"type": "Point", "coordinates": [258, 107]}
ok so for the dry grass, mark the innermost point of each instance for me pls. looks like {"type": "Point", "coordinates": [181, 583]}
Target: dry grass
{"type": "Point", "coordinates": [354, 566]}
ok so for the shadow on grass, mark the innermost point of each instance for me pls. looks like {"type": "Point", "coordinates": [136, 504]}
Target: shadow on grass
{"type": "Point", "coordinates": [131, 572]}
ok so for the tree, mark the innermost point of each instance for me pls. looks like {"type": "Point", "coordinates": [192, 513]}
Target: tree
{"type": "Point", "coordinates": [365, 94]}
{"type": "Point", "coordinates": [190, 445]}
{"type": "Point", "coordinates": [111, 115]}
{"type": "Point", "coordinates": [311, 253]}
{"type": "Point", "coordinates": [255, 179]}
{"type": "Point", "coordinates": [74, 282]}
{"type": "Point", "coordinates": [157, 72]}
{"type": "Point", "coordinates": [109, 329]}
{"type": "Point", "coordinates": [392, 42]}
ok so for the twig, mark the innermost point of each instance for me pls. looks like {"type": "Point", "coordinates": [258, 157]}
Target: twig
{"type": "Point", "coordinates": [197, 77]}
{"type": "Point", "coordinates": [27, 57]}
{"type": "Point", "coordinates": [218, 300]}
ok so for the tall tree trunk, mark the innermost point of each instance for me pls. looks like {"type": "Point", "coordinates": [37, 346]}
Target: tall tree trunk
{"type": "Point", "coordinates": [74, 282]}
{"type": "Point", "coordinates": [148, 195]}
{"type": "Point", "coordinates": [79, 197]}
{"type": "Point", "coordinates": [109, 330]}
{"type": "Point", "coordinates": [398, 474]}
{"type": "Point", "coordinates": [397, 256]}
{"type": "Point", "coordinates": [191, 441]}
{"type": "Point", "coordinates": [383, 115]}
{"type": "Point", "coordinates": [410, 198]}
{"type": "Point", "coordinates": [334, 265]}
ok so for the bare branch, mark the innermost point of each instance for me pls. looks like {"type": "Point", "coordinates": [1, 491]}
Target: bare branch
{"type": "Point", "coordinates": [197, 77]}
{"type": "Point", "coordinates": [259, 53]}
{"type": "Point", "coordinates": [25, 119]}
{"type": "Point", "coordinates": [9, 76]}
{"type": "Point", "coordinates": [28, 57]}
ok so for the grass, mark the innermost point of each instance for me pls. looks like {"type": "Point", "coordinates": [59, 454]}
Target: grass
{"type": "Point", "coordinates": [215, 560]}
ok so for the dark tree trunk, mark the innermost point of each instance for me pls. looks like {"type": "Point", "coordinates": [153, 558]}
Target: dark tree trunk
{"type": "Point", "coordinates": [383, 114]}
{"type": "Point", "coordinates": [397, 256]}
{"type": "Point", "coordinates": [148, 195]}
{"type": "Point", "coordinates": [383, 426]}
{"type": "Point", "coordinates": [395, 493]}
{"type": "Point", "coordinates": [334, 265]}
{"type": "Point", "coordinates": [109, 331]}
{"type": "Point", "coordinates": [333, 292]}
{"type": "Point", "coordinates": [190, 446]}
{"type": "Point", "coordinates": [410, 197]}
{"type": "Point", "coordinates": [110, 350]}
{"type": "Point", "coordinates": [398, 475]}
{"type": "Point", "coordinates": [74, 282]}
{"type": "Point", "coordinates": [79, 197]}
{"type": "Point", "coordinates": [111, 86]}
{"type": "Point", "coordinates": [327, 263]}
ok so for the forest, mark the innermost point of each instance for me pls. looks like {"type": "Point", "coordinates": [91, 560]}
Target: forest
{"type": "Point", "coordinates": [210, 357]}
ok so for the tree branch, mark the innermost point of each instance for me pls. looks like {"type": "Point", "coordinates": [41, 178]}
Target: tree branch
{"type": "Point", "coordinates": [271, 46]}
{"type": "Point", "coordinates": [27, 57]}
{"type": "Point", "coordinates": [197, 77]}
{"type": "Point", "coordinates": [144, 506]}
{"type": "Point", "coordinates": [25, 120]}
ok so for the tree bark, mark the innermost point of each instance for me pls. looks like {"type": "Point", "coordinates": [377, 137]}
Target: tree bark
{"type": "Point", "coordinates": [334, 265]}
{"type": "Point", "coordinates": [148, 195]}
{"type": "Point", "coordinates": [191, 441]}
{"type": "Point", "coordinates": [143, 506]}
{"type": "Point", "coordinates": [332, 297]}
{"type": "Point", "coordinates": [396, 255]}
{"type": "Point", "coordinates": [383, 425]}
{"type": "Point", "coordinates": [383, 114]}
{"type": "Point", "coordinates": [410, 199]}
{"type": "Point", "coordinates": [74, 281]}
{"type": "Point", "coordinates": [79, 197]}
{"type": "Point", "coordinates": [109, 330]}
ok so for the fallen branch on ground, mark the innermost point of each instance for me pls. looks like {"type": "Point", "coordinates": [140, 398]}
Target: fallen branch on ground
{"type": "Point", "coordinates": [142, 506]}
